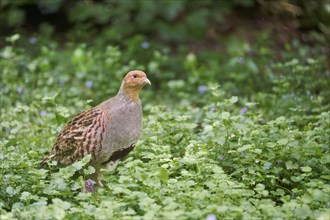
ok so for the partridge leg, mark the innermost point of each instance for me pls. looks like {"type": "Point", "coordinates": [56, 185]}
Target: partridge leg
{"type": "Point", "coordinates": [99, 178]}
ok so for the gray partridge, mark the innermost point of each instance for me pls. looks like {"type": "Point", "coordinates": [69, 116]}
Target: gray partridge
{"type": "Point", "coordinates": [107, 132]}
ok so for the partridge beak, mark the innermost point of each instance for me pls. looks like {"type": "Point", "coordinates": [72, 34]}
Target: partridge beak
{"type": "Point", "coordinates": [146, 81]}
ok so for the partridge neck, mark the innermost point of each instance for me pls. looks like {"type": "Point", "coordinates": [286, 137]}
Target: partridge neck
{"type": "Point", "coordinates": [128, 93]}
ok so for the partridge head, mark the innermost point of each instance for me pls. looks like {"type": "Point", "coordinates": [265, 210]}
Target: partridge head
{"type": "Point", "coordinates": [133, 82]}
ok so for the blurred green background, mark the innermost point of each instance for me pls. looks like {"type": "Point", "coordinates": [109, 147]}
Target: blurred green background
{"type": "Point", "coordinates": [181, 44]}
{"type": "Point", "coordinates": [167, 20]}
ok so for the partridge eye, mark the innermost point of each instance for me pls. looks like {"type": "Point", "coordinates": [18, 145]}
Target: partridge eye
{"type": "Point", "coordinates": [135, 76]}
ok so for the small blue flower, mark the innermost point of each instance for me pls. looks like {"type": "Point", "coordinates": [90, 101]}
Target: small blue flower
{"type": "Point", "coordinates": [8, 130]}
{"type": "Point", "coordinates": [19, 90]}
{"type": "Point", "coordinates": [33, 40]}
{"type": "Point", "coordinates": [201, 89]}
{"type": "Point", "coordinates": [212, 109]}
{"type": "Point", "coordinates": [90, 182]}
{"type": "Point", "coordinates": [211, 217]}
{"type": "Point", "coordinates": [89, 185]}
{"type": "Point", "coordinates": [89, 84]}
{"type": "Point", "coordinates": [145, 45]}
{"type": "Point", "coordinates": [243, 110]}
{"type": "Point", "coordinates": [61, 82]}
{"type": "Point", "coordinates": [293, 96]}
{"type": "Point", "coordinates": [43, 113]}
{"type": "Point", "coordinates": [221, 157]}
{"type": "Point", "coordinates": [241, 60]}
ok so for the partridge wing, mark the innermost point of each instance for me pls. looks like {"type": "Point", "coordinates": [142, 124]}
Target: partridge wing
{"type": "Point", "coordinates": [82, 135]}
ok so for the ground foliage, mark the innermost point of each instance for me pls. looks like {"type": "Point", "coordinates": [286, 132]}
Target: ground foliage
{"type": "Point", "coordinates": [243, 149]}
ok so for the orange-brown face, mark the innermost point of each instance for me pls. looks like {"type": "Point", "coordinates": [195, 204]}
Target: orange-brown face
{"type": "Point", "coordinates": [135, 80]}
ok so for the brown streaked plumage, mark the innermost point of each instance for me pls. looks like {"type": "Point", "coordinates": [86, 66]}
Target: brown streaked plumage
{"type": "Point", "coordinates": [107, 132]}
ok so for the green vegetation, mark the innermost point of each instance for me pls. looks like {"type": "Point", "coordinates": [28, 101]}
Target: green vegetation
{"type": "Point", "coordinates": [239, 133]}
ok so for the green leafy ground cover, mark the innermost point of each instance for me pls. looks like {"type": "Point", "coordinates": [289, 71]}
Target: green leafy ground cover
{"type": "Point", "coordinates": [241, 134]}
